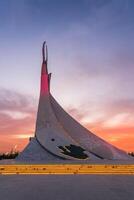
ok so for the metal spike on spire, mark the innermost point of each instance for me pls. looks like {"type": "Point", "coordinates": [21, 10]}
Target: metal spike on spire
{"type": "Point", "coordinates": [43, 51]}
{"type": "Point", "coordinates": [45, 57]}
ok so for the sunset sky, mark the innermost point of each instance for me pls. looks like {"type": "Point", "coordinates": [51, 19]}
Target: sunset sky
{"type": "Point", "coordinates": [91, 57]}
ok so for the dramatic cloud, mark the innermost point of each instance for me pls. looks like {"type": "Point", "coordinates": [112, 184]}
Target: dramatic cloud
{"type": "Point", "coordinates": [17, 118]}
{"type": "Point", "coordinates": [113, 121]}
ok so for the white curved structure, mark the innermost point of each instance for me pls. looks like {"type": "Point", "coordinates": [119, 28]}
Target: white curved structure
{"type": "Point", "coordinates": [59, 136]}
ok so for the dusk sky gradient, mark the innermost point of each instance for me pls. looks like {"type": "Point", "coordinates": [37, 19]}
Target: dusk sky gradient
{"type": "Point", "coordinates": [91, 57]}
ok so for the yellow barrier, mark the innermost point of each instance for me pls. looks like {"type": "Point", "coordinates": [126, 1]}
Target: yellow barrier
{"type": "Point", "coordinates": [66, 169]}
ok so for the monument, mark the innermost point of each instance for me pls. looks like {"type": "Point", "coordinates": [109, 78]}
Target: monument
{"type": "Point", "coordinates": [58, 136]}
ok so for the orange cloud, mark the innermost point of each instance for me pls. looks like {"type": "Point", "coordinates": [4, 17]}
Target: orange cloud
{"type": "Point", "coordinates": [17, 118]}
{"type": "Point", "coordinates": [113, 122]}
{"type": "Point", "coordinates": [123, 138]}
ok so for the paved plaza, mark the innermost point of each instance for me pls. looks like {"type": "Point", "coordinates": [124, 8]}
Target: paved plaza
{"type": "Point", "coordinates": [66, 187]}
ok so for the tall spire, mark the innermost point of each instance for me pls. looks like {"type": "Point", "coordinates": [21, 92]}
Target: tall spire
{"type": "Point", "coordinates": [45, 77]}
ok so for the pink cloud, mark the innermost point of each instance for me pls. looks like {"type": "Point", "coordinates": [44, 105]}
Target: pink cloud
{"type": "Point", "coordinates": [112, 121]}
{"type": "Point", "coordinates": [17, 117]}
